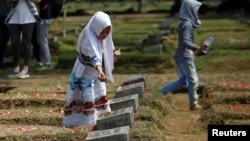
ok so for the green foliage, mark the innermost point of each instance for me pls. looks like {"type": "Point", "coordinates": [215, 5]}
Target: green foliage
{"type": "Point", "coordinates": [66, 60]}
{"type": "Point", "coordinates": [229, 38]}
{"type": "Point", "coordinates": [231, 43]}
{"type": "Point", "coordinates": [117, 7]}
{"type": "Point", "coordinates": [142, 63]}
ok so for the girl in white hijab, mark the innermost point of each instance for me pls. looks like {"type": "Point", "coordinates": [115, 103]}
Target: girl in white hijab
{"type": "Point", "coordinates": [86, 95]}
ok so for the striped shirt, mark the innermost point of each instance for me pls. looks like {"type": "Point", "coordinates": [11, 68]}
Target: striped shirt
{"type": "Point", "coordinates": [186, 44]}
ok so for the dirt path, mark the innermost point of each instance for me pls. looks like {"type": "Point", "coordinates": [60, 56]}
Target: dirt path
{"type": "Point", "coordinates": [182, 124]}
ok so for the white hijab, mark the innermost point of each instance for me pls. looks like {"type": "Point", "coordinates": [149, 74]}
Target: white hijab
{"type": "Point", "coordinates": [189, 10]}
{"type": "Point", "coordinates": [89, 44]}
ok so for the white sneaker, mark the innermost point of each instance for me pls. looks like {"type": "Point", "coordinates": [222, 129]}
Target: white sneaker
{"type": "Point", "coordinates": [22, 75]}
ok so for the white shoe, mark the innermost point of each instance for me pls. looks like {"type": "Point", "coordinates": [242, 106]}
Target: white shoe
{"type": "Point", "coordinates": [23, 75]}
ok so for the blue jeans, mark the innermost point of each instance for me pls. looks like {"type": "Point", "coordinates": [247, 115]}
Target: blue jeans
{"type": "Point", "coordinates": [187, 77]}
{"type": "Point", "coordinates": [42, 40]}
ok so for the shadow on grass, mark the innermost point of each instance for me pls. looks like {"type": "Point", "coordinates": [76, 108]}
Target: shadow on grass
{"type": "Point", "coordinates": [6, 89]}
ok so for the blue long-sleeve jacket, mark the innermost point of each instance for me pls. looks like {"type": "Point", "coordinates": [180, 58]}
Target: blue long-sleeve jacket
{"type": "Point", "coordinates": [186, 46]}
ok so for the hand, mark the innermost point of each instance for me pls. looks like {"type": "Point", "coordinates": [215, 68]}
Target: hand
{"type": "Point", "coordinates": [204, 47]}
{"type": "Point", "coordinates": [102, 77]}
{"type": "Point", "coordinates": [116, 58]}
{"type": "Point", "coordinates": [117, 52]}
{"type": "Point", "coordinates": [116, 55]}
{"type": "Point", "coordinates": [200, 48]}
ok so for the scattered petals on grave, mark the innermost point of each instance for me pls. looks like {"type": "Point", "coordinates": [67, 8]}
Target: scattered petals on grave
{"type": "Point", "coordinates": [79, 128]}
{"type": "Point", "coordinates": [5, 113]}
{"type": "Point", "coordinates": [26, 112]}
{"type": "Point", "coordinates": [130, 85]}
{"type": "Point", "coordinates": [55, 95]}
{"type": "Point", "coordinates": [233, 94]}
{"type": "Point", "coordinates": [29, 129]}
{"type": "Point", "coordinates": [236, 85]}
{"type": "Point", "coordinates": [59, 87]}
{"type": "Point", "coordinates": [26, 130]}
{"type": "Point", "coordinates": [148, 95]}
{"type": "Point", "coordinates": [19, 129]}
{"type": "Point", "coordinates": [232, 40]}
{"type": "Point", "coordinates": [235, 106]}
{"type": "Point", "coordinates": [59, 110]}
{"type": "Point", "coordinates": [75, 129]}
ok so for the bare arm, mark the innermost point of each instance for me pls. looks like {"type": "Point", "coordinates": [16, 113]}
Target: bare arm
{"type": "Point", "coordinates": [101, 76]}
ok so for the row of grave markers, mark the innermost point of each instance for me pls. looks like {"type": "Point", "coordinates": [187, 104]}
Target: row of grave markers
{"type": "Point", "coordinates": [116, 125]}
{"type": "Point", "coordinates": [154, 42]}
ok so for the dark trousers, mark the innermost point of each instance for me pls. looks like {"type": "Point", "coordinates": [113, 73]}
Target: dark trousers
{"type": "Point", "coordinates": [4, 38]}
{"type": "Point", "coordinates": [36, 47]}
{"type": "Point", "coordinates": [24, 32]}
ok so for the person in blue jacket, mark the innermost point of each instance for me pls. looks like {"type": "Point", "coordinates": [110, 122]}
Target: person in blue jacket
{"type": "Point", "coordinates": [184, 55]}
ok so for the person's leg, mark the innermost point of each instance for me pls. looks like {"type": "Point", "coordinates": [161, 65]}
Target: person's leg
{"type": "Point", "coordinates": [27, 30]}
{"type": "Point", "coordinates": [79, 107]}
{"type": "Point", "coordinates": [192, 81]}
{"type": "Point", "coordinates": [4, 38]}
{"type": "Point", "coordinates": [1, 43]}
{"type": "Point", "coordinates": [176, 84]}
{"type": "Point", "coordinates": [42, 38]}
{"type": "Point", "coordinates": [101, 100]}
{"type": "Point", "coordinates": [36, 48]}
{"type": "Point", "coordinates": [15, 31]}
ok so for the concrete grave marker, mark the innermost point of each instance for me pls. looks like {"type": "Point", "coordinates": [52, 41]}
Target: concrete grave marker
{"type": "Point", "coordinates": [118, 118]}
{"type": "Point", "coordinates": [152, 39]}
{"type": "Point", "coordinates": [125, 102]}
{"type": "Point", "coordinates": [135, 79]}
{"type": "Point", "coordinates": [131, 89]}
{"type": "Point", "coordinates": [115, 134]}
{"type": "Point", "coordinates": [157, 49]}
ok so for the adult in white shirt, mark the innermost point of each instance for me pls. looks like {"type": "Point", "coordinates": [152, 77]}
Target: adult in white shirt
{"type": "Point", "coordinates": [21, 21]}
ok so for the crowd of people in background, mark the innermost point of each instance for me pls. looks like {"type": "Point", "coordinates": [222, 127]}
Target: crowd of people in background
{"type": "Point", "coordinates": [25, 25]}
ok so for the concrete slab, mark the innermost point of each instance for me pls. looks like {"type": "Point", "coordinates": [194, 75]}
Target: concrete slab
{"type": "Point", "coordinates": [155, 49]}
{"type": "Point", "coordinates": [131, 89]}
{"type": "Point", "coordinates": [118, 118]}
{"type": "Point", "coordinates": [135, 79]}
{"type": "Point", "coordinates": [125, 102]}
{"type": "Point", "coordinates": [115, 134]}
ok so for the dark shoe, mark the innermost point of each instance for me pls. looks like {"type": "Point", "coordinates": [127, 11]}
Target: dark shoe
{"type": "Point", "coordinates": [12, 74]}
{"type": "Point", "coordinates": [196, 107]}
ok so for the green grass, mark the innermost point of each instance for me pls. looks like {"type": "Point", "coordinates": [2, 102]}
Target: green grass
{"type": "Point", "coordinates": [90, 7]}
{"type": "Point", "coordinates": [230, 51]}
{"type": "Point", "coordinates": [229, 55]}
